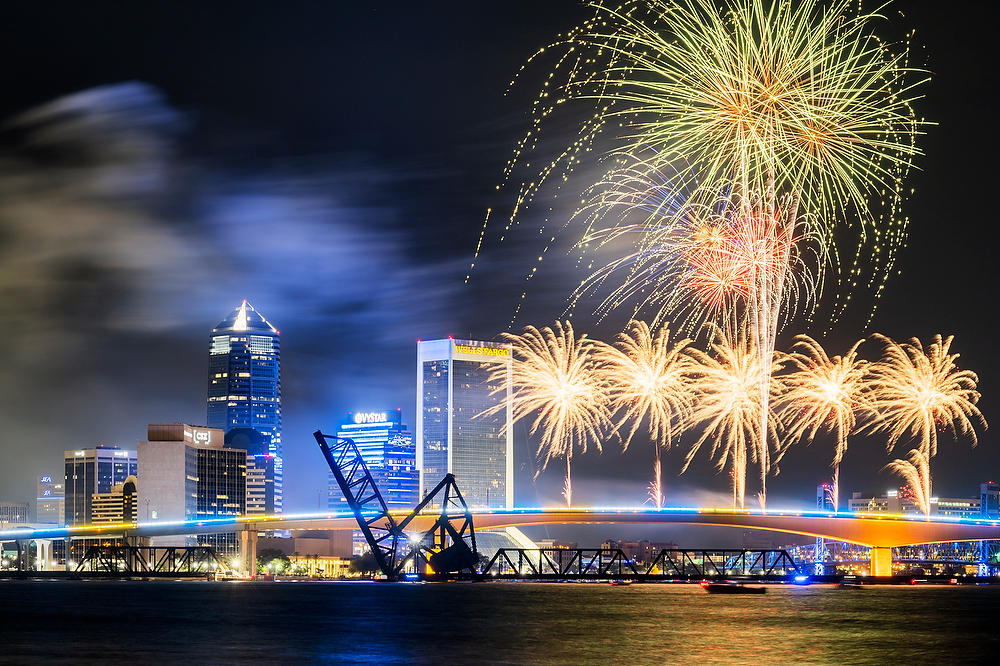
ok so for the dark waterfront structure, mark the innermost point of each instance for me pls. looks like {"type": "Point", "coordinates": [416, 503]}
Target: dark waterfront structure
{"type": "Point", "coordinates": [92, 471]}
{"type": "Point", "coordinates": [452, 435]}
{"type": "Point", "coordinates": [390, 453]}
{"type": "Point", "coordinates": [450, 543]}
{"type": "Point", "coordinates": [244, 391]}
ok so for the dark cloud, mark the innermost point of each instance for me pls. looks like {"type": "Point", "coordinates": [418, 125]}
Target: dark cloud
{"type": "Point", "coordinates": [121, 250]}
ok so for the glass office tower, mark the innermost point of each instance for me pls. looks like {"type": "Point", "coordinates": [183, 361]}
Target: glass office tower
{"type": "Point", "coordinates": [244, 384]}
{"type": "Point", "coordinates": [90, 471]}
{"type": "Point", "coordinates": [388, 450]}
{"type": "Point", "coordinates": [452, 433]}
{"type": "Point", "coordinates": [260, 469]}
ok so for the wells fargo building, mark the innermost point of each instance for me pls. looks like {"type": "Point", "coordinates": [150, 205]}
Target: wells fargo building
{"type": "Point", "coordinates": [453, 434]}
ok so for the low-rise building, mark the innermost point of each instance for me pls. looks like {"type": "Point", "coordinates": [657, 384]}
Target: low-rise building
{"type": "Point", "coordinates": [321, 566]}
{"type": "Point", "coordinates": [895, 501]}
{"type": "Point", "coordinates": [638, 551]}
{"type": "Point", "coordinates": [956, 507]}
{"type": "Point", "coordinates": [890, 502]}
{"type": "Point", "coordinates": [115, 507]}
{"type": "Point", "coordinates": [14, 512]}
{"type": "Point", "coordinates": [90, 471]}
{"type": "Point", "coordinates": [989, 499]}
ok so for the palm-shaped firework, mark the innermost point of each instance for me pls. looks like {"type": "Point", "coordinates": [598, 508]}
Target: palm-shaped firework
{"type": "Point", "coordinates": [649, 379]}
{"type": "Point", "coordinates": [917, 392]}
{"type": "Point", "coordinates": [821, 393]}
{"type": "Point", "coordinates": [556, 382]}
{"type": "Point", "coordinates": [727, 409]}
{"type": "Point", "coordinates": [916, 472]}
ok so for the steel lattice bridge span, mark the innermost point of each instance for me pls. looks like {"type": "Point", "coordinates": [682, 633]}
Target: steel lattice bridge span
{"type": "Point", "coordinates": [880, 532]}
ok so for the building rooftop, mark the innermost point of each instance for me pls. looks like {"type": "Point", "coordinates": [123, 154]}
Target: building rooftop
{"type": "Point", "coordinates": [245, 318]}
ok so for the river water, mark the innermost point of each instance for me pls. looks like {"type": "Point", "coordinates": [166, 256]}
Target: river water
{"type": "Point", "coordinates": [473, 623]}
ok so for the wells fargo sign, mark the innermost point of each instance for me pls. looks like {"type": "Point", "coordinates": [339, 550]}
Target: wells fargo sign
{"type": "Point", "coordinates": [482, 351]}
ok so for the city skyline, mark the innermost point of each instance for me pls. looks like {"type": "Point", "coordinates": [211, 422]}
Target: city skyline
{"type": "Point", "coordinates": [317, 314]}
{"type": "Point", "coordinates": [347, 344]}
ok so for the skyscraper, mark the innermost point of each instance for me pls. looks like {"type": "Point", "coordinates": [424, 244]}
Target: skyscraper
{"type": "Point", "coordinates": [186, 474]}
{"type": "Point", "coordinates": [389, 452]}
{"type": "Point", "coordinates": [90, 471]}
{"type": "Point", "coordinates": [261, 498]}
{"type": "Point", "coordinates": [50, 501]}
{"type": "Point", "coordinates": [452, 433]}
{"type": "Point", "coordinates": [244, 388]}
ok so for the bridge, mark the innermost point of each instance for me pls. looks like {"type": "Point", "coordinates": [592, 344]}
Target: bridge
{"type": "Point", "coordinates": [440, 533]}
{"type": "Point", "coordinates": [880, 532]}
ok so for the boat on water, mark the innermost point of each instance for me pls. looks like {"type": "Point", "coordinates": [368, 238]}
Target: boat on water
{"type": "Point", "coordinates": [730, 587]}
{"type": "Point", "coordinates": [621, 582]}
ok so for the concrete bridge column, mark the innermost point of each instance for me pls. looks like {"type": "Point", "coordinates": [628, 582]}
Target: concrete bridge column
{"type": "Point", "coordinates": [881, 561]}
{"type": "Point", "coordinates": [248, 551]}
{"type": "Point", "coordinates": [43, 549]}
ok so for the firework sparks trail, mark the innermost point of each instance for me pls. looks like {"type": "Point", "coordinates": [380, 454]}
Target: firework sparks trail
{"type": "Point", "coordinates": [799, 101]}
{"type": "Point", "coordinates": [649, 378]}
{"type": "Point", "coordinates": [736, 261]}
{"type": "Point", "coordinates": [557, 382]}
{"type": "Point", "coordinates": [796, 105]}
{"type": "Point", "coordinates": [693, 260]}
{"type": "Point", "coordinates": [727, 408]}
{"type": "Point", "coordinates": [918, 391]}
{"type": "Point", "coordinates": [916, 472]}
{"type": "Point", "coordinates": [821, 393]}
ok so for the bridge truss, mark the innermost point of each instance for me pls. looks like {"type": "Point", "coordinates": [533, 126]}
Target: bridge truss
{"type": "Point", "coordinates": [828, 555]}
{"type": "Point", "coordinates": [152, 560]}
{"type": "Point", "coordinates": [604, 563]}
{"type": "Point", "coordinates": [448, 546]}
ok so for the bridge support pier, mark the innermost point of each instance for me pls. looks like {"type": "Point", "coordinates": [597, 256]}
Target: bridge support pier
{"type": "Point", "coordinates": [248, 551]}
{"type": "Point", "coordinates": [819, 557]}
{"type": "Point", "coordinates": [881, 561]}
{"type": "Point", "coordinates": [43, 549]}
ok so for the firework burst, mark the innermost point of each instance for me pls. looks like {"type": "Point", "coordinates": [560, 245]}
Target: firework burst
{"type": "Point", "coordinates": [796, 101]}
{"type": "Point", "coordinates": [824, 394]}
{"type": "Point", "coordinates": [649, 379]}
{"type": "Point", "coordinates": [742, 261]}
{"type": "Point", "coordinates": [727, 409]}
{"type": "Point", "coordinates": [917, 392]}
{"type": "Point", "coordinates": [556, 382]}
{"type": "Point", "coordinates": [692, 260]}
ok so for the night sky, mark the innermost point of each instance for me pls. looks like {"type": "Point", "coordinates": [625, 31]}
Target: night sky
{"type": "Point", "coordinates": [332, 163]}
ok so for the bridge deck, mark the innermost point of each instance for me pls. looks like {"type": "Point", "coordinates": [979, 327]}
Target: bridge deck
{"type": "Point", "coordinates": [881, 530]}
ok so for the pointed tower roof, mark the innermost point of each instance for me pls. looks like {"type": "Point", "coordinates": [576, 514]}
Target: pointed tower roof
{"type": "Point", "coordinates": [245, 318]}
